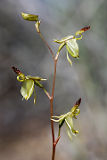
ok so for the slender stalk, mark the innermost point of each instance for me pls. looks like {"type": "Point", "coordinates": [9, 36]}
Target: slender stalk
{"type": "Point", "coordinates": [54, 77]}
{"type": "Point", "coordinates": [46, 44]}
{"type": "Point", "coordinates": [51, 110]}
{"type": "Point", "coordinates": [51, 98]}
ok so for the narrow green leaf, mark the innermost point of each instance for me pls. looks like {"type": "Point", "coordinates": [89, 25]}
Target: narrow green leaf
{"type": "Point", "coordinates": [69, 60]}
{"type": "Point", "coordinates": [29, 17]}
{"type": "Point", "coordinates": [72, 48]}
{"type": "Point", "coordinates": [27, 88]}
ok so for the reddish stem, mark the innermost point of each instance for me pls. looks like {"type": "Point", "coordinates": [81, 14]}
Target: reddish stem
{"type": "Point", "coordinates": [51, 110]}
{"type": "Point", "coordinates": [51, 98]}
{"type": "Point", "coordinates": [46, 44]}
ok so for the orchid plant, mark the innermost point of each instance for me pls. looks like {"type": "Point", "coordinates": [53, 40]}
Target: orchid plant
{"type": "Point", "coordinates": [29, 83]}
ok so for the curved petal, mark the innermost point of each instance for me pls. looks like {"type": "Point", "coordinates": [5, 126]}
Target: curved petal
{"type": "Point", "coordinates": [69, 122]}
{"type": "Point", "coordinates": [69, 60]}
{"type": "Point", "coordinates": [27, 88]}
{"type": "Point", "coordinates": [70, 126]}
{"type": "Point", "coordinates": [21, 77]}
{"type": "Point", "coordinates": [72, 48]}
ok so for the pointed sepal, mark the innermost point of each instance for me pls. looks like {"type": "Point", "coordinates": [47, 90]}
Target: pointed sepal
{"type": "Point", "coordinates": [35, 78]}
{"type": "Point", "coordinates": [38, 84]}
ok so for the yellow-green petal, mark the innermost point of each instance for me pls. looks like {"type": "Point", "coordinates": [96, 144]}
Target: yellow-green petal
{"type": "Point", "coordinates": [36, 78]}
{"type": "Point", "coordinates": [69, 60]}
{"type": "Point", "coordinates": [29, 17]}
{"type": "Point", "coordinates": [64, 39]}
{"type": "Point", "coordinates": [27, 88]}
{"type": "Point", "coordinates": [60, 47]}
{"type": "Point", "coordinates": [72, 48]}
{"type": "Point", "coordinates": [69, 133]}
{"type": "Point", "coordinates": [69, 123]}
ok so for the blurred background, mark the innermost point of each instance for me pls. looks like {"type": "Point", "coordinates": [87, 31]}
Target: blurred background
{"type": "Point", "coordinates": [24, 127]}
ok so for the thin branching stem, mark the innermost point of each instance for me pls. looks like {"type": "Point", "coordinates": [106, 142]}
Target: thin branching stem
{"type": "Point", "coordinates": [46, 44]}
{"type": "Point", "coordinates": [51, 98]}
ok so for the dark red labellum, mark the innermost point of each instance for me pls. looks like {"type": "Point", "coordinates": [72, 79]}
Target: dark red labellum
{"type": "Point", "coordinates": [17, 71]}
{"type": "Point", "coordinates": [85, 28]}
{"type": "Point", "coordinates": [78, 102]}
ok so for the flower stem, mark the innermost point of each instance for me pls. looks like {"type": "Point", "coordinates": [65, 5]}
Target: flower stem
{"type": "Point", "coordinates": [51, 110]}
{"type": "Point", "coordinates": [51, 98]}
{"type": "Point", "coordinates": [46, 43]}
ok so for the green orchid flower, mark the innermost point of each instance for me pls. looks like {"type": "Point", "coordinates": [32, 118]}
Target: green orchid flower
{"type": "Point", "coordinates": [68, 120]}
{"type": "Point", "coordinates": [28, 84]}
{"type": "Point", "coordinates": [32, 17]}
{"type": "Point", "coordinates": [71, 44]}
